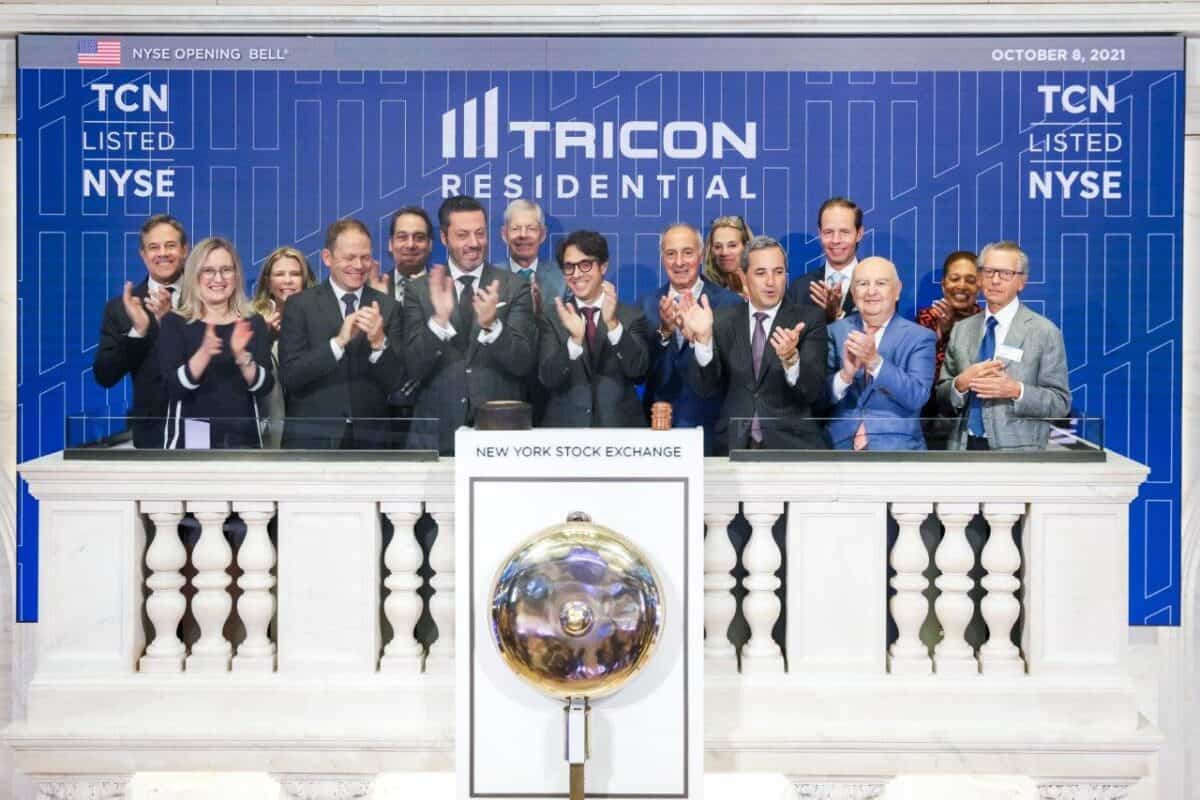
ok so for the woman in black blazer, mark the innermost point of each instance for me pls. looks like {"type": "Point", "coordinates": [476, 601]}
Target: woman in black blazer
{"type": "Point", "coordinates": [215, 354]}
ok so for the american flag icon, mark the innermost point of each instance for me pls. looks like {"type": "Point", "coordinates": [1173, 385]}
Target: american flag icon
{"type": "Point", "coordinates": [99, 53]}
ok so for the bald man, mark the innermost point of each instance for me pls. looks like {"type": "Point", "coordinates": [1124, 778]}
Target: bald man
{"type": "Point", "coordinates": [881, 367]}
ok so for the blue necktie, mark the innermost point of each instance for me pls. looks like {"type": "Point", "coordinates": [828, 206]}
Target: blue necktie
{"type": "Point", "coordinates": [526, 273]}
{"type": "Point", "coordinates": [987, 351]}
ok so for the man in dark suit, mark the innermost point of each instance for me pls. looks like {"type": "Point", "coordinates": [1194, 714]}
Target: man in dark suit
{"type": "Point", "coordinates": [770, 389]}
{"type": "Point", "coordinates": [1005, 372]}
{"type": "Point", "coordinates": [681, 249]}
{"type": "Point", "coordinates": [340, 351]}
{"type": "Point", "coordinates": [881, 365]}
{"type": "Point", "coordinates": [593, 349]}
{"type": "Point", "coordinates": [468, 328]}
{"type": "Point", "coordinates": [840, 226]}
{"type": "Point", "coordinates": [410, 243]}
{"type": "Point", "coordinates": [129, 329]}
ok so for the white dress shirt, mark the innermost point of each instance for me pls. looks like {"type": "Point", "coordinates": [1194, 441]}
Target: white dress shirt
{"type": "Point", "coordinates": [845, 276]}
{"type": "Point", "coordinates": [153, 286]}
{"type": "Point", "coordinates": [704, 352]}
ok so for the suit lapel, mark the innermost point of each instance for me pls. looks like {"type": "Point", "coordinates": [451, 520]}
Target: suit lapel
{"type": "Point", "coordinates": [1019, 328]}
{"type": "Point", "coordinates": [586, 358]}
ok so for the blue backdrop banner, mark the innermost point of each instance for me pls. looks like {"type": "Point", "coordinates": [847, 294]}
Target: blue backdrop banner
{"type": "Point", "coordinates": [1072, 146]}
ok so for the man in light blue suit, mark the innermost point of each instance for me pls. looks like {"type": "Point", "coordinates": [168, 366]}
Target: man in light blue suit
{"type": "Point", "coordinates": [682, 252]}
{"type": "Point", "coordinates": [881, 367]}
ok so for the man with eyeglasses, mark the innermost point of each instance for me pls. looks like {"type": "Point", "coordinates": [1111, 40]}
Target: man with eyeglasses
{"type": "Point", "coordinates": [592, 351]}
{"type": "Point", "coordinates": [881, 367]}
{"type": "Point", "coordinates": [1005, 371]}
{"type": "Point", "coordinates": [129, 328]}
{"type": "Point", "coordinates": [681, 250]}
{"type": "Point", "coordinates": [468, 328]}
{"type": "Point", "coordinates": [524, 231]}
{"type": "Point", "coordinates": [840, 227]}
{"type": "Point", "coordinates": [339, 351]}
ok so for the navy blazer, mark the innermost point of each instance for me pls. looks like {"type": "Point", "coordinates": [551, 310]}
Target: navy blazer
{"type": "Point", "coordinates": [889, 405]}
{"type": "Point", "coordinates": [668, 363]}
{"type": "Point", "coordinates": [119, 354]}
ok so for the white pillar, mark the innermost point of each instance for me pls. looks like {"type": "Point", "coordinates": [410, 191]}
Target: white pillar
{"type": "Point", "coordinates": [1000, 609]}
{"type": "Point", "coordinates": [166, 603]}
{"type": "Point", "coordinates": [211, 604]}
{"type": "Point", "coordinates": [256, 606]}
{"type": "Point", "coordinates": [719, 603]}
{"type": "Point", "coordinates": [761, 607]}
{"type": "Point", "coordinates": [954, 557]}
{"type": "Point", "coordinates": [441, 604]}
{"type": "Point", "coordinates": [402, 605]}
{"type": "Point", "coordinates": [910, 606]}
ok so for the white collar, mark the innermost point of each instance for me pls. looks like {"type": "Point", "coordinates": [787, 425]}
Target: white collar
{"type": "Point", "coordinates": [696, 289]}
{"type": "Point", "coordinates": [516, 268]}
{"type": "Point", "coordinates": [847, 270]}
{"type": "Point", "coordinates": [1005, 315]}
{"type": "Point", "coordinates": [340, 292]}
{"type": "Point", "coordinates": [457, 272]}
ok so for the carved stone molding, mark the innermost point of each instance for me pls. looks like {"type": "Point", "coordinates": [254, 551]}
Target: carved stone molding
{"type": "Point", "coordinates": [1082, 791]}
{"type": "Point", "coordinates": [832, 790]}
{"type": "Point", "coordinates": [81, 787]}
{"type": "Point", "coordinates": [325, 787]}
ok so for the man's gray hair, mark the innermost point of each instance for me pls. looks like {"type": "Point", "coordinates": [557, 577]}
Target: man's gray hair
{"type": "Point", "coordinates": [524, 205]}
{"type": "Point", "coordinates": [683, 226]}
{"type": "Point", "coordinates": [1006, 246]}
{"type": "Point", "coordinates": [762, 243]}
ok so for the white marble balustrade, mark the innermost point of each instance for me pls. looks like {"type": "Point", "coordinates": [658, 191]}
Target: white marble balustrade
{"type": "Point", "coordinates": [315, 687]}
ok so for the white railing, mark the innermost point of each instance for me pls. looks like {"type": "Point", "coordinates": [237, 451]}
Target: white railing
{"type": "Point", "coordinates": [159, 649]}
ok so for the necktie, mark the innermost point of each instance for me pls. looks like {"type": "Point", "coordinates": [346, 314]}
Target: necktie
{"type": "Point", "coordinates": [526, 273]}
{"type": "Point", "coordinates": [589, 329]}
{"type": "Point", "coordinates": [348, 300]}
{"type": "Point", "coordinates": [987, 350]}
{"type": "Point", "coordinates": [758, 345]}
{"type": "Point", "coordinates": [466, 307]}
{"type": "Point", "coordinates": [401, 285]}
{"type": "Point", "coordinates": [171, 294]}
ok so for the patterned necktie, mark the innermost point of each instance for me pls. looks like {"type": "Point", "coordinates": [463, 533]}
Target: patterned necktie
{"type": "Point", "coordinates": [401, 286]}
{"type": "Point", "coordinates": [758, 345]}
{"type": "Point", "coordinates": [589, 329]}
{"type": "Point", "coordinates": [987, 351]}
{"type": "Point", "coordinates": [348, 300]}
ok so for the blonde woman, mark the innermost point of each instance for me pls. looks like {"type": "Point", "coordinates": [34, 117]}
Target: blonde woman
{"type": "Point", "coordinates": [285, 273]}
{"type": "Point", "coordinates": [727, 238]}
{"type": "Point", "coordinates": [215, 355]}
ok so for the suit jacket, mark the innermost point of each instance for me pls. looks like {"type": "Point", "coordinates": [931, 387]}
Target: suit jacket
{"type": "Point", "coordinates": [551, 283]}
{"type": "Point", "coordinates": [889, 405]}
{"type": "Point", "coordinates": [786, 410]}
{"type": "Point", "coordinates": [119, 354]}
{"type": "Point", "coordinates": [328, 391]}
{"type": "Point", "coordinates": [668, 363]}
{"type": "Point", "coordinates": [798, 290]}
{"type": "Point", "coordinates": [456, 377]}
{"type": "Point", "coordinates": [1010, 424]}
{"type": "Point", "coordinates": [598, 389]}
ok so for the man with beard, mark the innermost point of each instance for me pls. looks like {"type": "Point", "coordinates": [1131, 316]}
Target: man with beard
{"type": "Point", "coordinates": [468, 328]}
{"type": "Point", "coordinates": [129, 329]}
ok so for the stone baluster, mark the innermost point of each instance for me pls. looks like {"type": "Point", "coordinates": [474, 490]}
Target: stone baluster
{"type": "Point", "coordinates": [211, 604]}
{"type": "Point", "coordinates": [166, 604]}
{"type": "Point", "coordinates": [908, 654]}
{"type": "Point", "coordinates": [1000, 608]}
{"type": "Point", "coordinates": [256, 606]}
{"type": "Point", "coordinates": [441, 604]}
{"type": "Point", "coordinates": [954, 558]}
{"type": "Point", "coordinates": [761, 605]}
{"type": "Point", "coordinates": [719, 603]}
{"type": "Point", "coordinates": [402, 605]}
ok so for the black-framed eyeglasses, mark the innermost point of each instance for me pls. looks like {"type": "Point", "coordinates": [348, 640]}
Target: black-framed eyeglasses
{"type": "Point", "coordinates": [1005, 275]}
{"type": "Point", "coordinates": [584, 265]}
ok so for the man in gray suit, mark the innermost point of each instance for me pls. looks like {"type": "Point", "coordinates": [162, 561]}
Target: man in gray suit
{"type": "Point", "coordinates": [524, 231]}
{"type": "Point", "coordinates": [1005, 371]}
{"type": "Point", "coordinates": [468, 328]}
